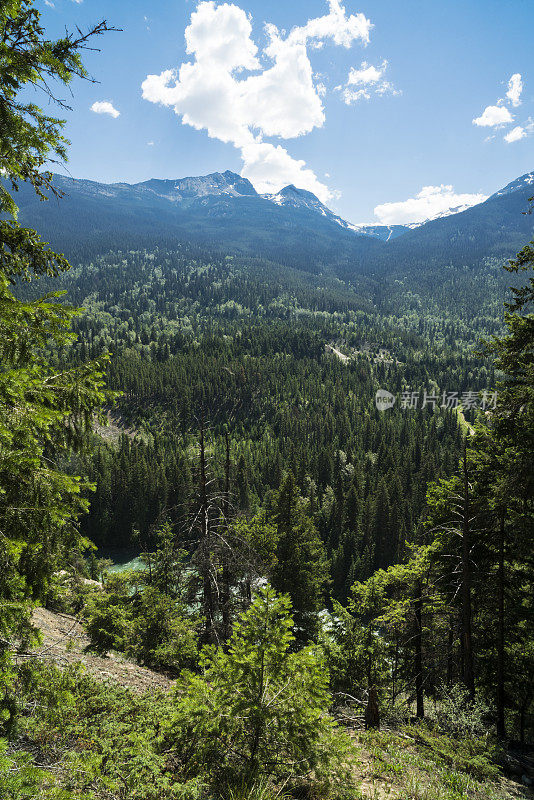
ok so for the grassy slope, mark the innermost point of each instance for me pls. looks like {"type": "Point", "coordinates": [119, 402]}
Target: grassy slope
{"type": "Point", "coordinates": [406, 764]}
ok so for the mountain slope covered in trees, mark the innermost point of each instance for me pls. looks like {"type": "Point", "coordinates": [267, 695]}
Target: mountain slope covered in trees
{"type": "Point", "coordinates": [310, 561]}
{"type": "Point", "coordinates": [223, 210]}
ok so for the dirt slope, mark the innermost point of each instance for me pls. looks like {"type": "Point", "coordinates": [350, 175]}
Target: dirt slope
{"type": "Point", "coordinates": [65, 642]}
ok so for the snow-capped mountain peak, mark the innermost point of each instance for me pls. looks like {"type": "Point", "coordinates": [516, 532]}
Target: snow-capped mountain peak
{"type": "Point", "coordinates": [298, 198]}
{"type": "Point", "coordinates": [515, 186]}
{"type": "Point", "coordinates": [227, 193]}
{"type": "Point", "coordinates": [292, 197]}
{"type": "Point", "coordinates": [216, 183]}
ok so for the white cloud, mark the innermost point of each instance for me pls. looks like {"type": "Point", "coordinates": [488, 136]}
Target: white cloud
{"type": "Point", "coordinates": [430, 202]}
{"type": "Point", "coordinates": [515, 134]}
{"type": "Point", "coordinates": [363, 82]}
{"type": "Point", "coordinates": [150, 144]}
{"type": "Point", "coordinates": [215, 92]}
{"type": "Point", "coordinates": [270, 166]}
{"type": "Point", "coordinates": [494, 116]}
{"type": "Point", "coordinates": [515, 87]}
{"type": "Point", "coordinates": [351, 96]}
{"type": "Point", "coordinates": [336, 25]}
{"type": "Point", "coordinates": [366, 74]}
{"type": "Point", "coordinates": [105, 107]}
{"type": "Point", "coordinates": [520, 131]}
{"type": "Point", "coordinates": [499, 115]}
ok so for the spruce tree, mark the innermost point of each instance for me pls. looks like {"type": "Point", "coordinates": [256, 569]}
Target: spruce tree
{"type": "Point", "coordinates": [301, 568]}
{"type": "Point", "coordinates": [44, 411]}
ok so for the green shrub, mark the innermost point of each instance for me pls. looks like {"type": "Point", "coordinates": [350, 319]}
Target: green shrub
{"type": "Point", "coordinates": [162, 636]}
{"type": "Point", "coordinates": [260, 709]}
{"type": "Point", "coordinates": [474, 755]}
{"type": "Point", "coordinates": [454, 712]}
{"type": "Point", "coordinates": [260, 789]}
{"type": "Point", "coordinates": [255, 719]}
{"type": "Point", "coordinates": [101, 740]}
{"type": "Point", "coordinates": [19, 779]}
{"type": "Point", "coordinates": [108, 624]}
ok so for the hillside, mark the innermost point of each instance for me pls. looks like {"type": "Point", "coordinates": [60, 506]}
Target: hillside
{"type": "Point", "coordinates": [266, 476]}
{"type": "Point", "coordinates": [399, 762]}
{"type": "Point", "coordinates": [65, 642]}
{"type": "Point", "coordinates": [220, 210]}
{"type": "Point", "coordinates": [293, 227]}
{"type": "Point", "coordinates": [496, 228]}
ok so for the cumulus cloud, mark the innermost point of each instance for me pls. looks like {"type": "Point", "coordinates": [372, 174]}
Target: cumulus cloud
{"type": "Point", "coordinates": [429, 203]}
{"type": "Point", "coordinates": [105, 107]}
{"type": "Point", "coordinates": [499, 115]}
{"type": "Point", "coordinates": [520, 132]}
{"type": "Point", "coordinates": [365, 81]}
{"type": "Point", "coordinates": [515, 87]}
{"type": "Point", "coordinates": [215, 91]}
{"type": "Point", "coordinates": [515, 134]}
{"type": "Point", "coordinates": [494, 116]}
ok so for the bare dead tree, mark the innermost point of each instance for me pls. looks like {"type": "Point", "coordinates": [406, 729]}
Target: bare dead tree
{"type": "Point", "coordinates": [226, 593]}
{"type": "Point", "coordinates": [467, 614]}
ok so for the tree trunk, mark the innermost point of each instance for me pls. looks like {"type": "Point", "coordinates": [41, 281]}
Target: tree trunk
{"type": "Point", "coordinates": [467, 640]}
{"type": "Point", "coordinates": [418, 642]}
{"type": "Point", "coordinates": [501, 726]}
{"type": "Point", "coordinates": [205, 546]}
{"type": "Point", "coordinates": [372, 713]}
{"type": "Point", "coordinates": [395, 670]}
{"type": "Point", "coordinates": [450, 654]}
{"type": "Point", "coordinates": [522, 719]}
{"type": "Point", "coordinates": [226, 617]}
{"type": "Point", "coordinates": [260, 721]}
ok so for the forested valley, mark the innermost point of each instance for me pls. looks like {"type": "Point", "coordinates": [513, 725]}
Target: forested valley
{"type": "Point", "coordinates": [196, 469]}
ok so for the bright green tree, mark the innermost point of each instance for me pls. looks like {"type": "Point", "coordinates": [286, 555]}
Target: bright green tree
{"type": "Point", "coordinates": [31, 139]}
{"type": "Point", "coordinates": [44, 411]}
{"type": "Point", "coordinates": [259, 709]}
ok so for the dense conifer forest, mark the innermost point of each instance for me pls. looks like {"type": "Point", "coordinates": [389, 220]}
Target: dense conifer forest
{"type": "Point", "coordinates": [195, 468]}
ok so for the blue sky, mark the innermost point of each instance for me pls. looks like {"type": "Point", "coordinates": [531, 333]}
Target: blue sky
{"type": "Point", "coordinates": [293, 92]}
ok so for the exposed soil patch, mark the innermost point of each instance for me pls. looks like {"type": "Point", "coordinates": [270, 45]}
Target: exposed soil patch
{"type": "Point", "coordinates": [115, 428]}
{"type": "Point", "coordinates": [65, 642]}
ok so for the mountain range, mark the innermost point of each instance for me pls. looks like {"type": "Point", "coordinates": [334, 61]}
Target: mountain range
{"type": "Point", "coordinates": [223, 210]}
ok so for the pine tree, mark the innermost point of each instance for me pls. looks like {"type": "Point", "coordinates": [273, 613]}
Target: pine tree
{"type": "Point", "coordinates": [381, 531]}
{"type": "Point", "coordinates": [301, 568]}
{"type": "Point", "coordinates": [44, 412]}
